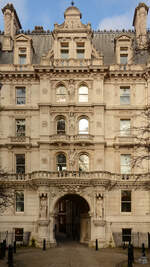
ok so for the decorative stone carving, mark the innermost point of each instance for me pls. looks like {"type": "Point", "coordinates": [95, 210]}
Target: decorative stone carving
{"type": "Point", "coordinates": [99, 205]}
{"type": "Point", "coordinates": [72, 157]}
{"type": "Point", "coordinates": [71, 90]}
{"type": "Point", "coordinates": [43, 206]}
{"type": "Point", "coordinates": [72, 121]}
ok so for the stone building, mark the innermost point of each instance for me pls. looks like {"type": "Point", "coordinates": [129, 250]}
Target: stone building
{"type": "Point", "coordinates": [69, 99]}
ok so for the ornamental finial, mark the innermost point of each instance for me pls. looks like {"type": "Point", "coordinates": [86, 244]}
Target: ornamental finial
{"type": "Point", "coordinates": [72, 3]}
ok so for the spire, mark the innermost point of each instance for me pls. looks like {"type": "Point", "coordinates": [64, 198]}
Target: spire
{"type": "Point", "coordinates": [72, 3]}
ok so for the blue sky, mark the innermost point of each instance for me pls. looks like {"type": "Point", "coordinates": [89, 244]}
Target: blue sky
{"type": "Point", "coordinates": [103, 14]}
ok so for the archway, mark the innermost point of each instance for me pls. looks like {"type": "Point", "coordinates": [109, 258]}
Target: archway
{"type": "Point", "coordinates": [72, 220]}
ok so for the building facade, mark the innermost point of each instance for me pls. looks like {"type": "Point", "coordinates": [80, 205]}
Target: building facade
{"type": "Point", "coordinates": [70, 100]}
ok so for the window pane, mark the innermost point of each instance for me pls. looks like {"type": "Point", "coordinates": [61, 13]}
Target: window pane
{"type": "Point", "coordinates": [125, 96]}
{"type": "Point", "coordinates": [125, 162]}
{"type": "Point", "coordinates": [124, 127]}
{"type": "Point", "coordinates": [19, 201]}
{"type": "Point", "coordinates": [61, 126]}
{"type": "Point", "coordinates": [126, 235]}
{"type": "Point", "coordinates": [61, 162]}
{"type": "Point", "coordinates": [20, 163]}
{"type": "Point", "coordinates": [18, 234]}
{"type": "Point", "coordinates": [83, 94]}
{"type": "Point", "coordinates": [61, 94]}
{"type": "Point", "coordinates": [123, 59]}
{"type": "Point", "coordinates": [125, 201]}
{"type": "Point", "coordinates": [80, 53]}
{"type": "Point", "coordinates": [20, 96]}
{"type": "Point", "coordinates": [20, 127]}
{"type": "Point", "coordinates": [84, 163]}
{"type": "Point", "coordinates": [64, 54]}
{"type": "Point", "coordinates": [83, 126]}
{"type": "Point", "coordinates": [22, 59]}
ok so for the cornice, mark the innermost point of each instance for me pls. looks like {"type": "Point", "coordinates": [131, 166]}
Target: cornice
{"type": "Point", "coordinates": [91, 183]}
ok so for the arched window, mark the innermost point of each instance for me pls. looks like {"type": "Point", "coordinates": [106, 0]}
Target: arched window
{"type": "Point", "coordinates": [61, 94]}
{"type": "Point", "coordinates": [83, 126]}
{"type": "Point", "coordinates": [83, 93]}
{"type": "Point", "coordinates": [61, 125]}
{"type": "Point", "coordinates": [61, 162]}
{"type": "Point", "coordinates": [84, 163]}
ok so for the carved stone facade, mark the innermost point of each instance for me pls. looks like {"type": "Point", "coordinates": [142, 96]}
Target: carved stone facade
{"type": "Point", "coordinates": [70, 100]}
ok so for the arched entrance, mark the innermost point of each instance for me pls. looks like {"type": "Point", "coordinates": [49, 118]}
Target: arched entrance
{"type": "Point", "coordinates": [72, 221]}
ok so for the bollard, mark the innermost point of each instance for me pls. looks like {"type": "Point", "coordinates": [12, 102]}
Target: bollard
{"type": "Point", "coordinates": [14, 247]}
{"type": "Point", "coordinates": [44, 244]}
{"type": "Point", "coordinates": [96, 247]}
{"type": "Point", "coordinates": [10, 256]}
{"type": "Point", "coordinates": [130, 256]}
{"type": "Point", "coordinates": [4, 247]}
{"type": "Point", "coordinates": [143, 250]}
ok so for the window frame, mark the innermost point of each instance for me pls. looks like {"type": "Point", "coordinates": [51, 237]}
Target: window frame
{"type": "Point", "coordinates": [59, 94]}
{"type": "Point", "coordinates": [82, 95]}
{"type": "Point", "coordinates": [22, 54]}
{"type": "Point", "coordinates": [125, 95]}
{"type": "Point", "coordinates": [126, 205]}
{"type": "Point", "coordinates": [80, 50]}
{"type": "Point", "coordinates": [126, 131]}
{"type": "Point", "coordinates": [20, 165]}
{"type": "Point", "coordinates": [59, 165]}
{"type": "Point", "coordinates": [124, 239]}
{"type": "Point", "coordinates": [63, 131]}
{"type": "Point", "coordinates": [126, 166]}
{"type": "Point", "coordinates": [23, 97]}
{"type": "Point", "coordinates": [18, 202]}
{"type": "Point", "coordinates": [82, 132]}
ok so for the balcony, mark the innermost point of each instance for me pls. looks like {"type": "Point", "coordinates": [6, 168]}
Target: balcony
{"type": "Point", "coordinates": [66, 139]}
{"type": "Point", "coordinates": [59, 138]}
{"type": "Point", "coordinates": [91, 177]}
{"type": "Point", "coordinates": [83, 138]}
{"type": "Point", "coordinates": [19, 140]}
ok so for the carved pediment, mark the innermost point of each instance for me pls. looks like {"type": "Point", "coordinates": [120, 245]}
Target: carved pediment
{"type": "Point", "coordinates": [22, 38]}
{"type": "Point", "coordinates": [123, 37]}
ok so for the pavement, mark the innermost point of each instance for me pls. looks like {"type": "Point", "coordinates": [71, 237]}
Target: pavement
{"type": "Point", "coordinates": [72, 254]}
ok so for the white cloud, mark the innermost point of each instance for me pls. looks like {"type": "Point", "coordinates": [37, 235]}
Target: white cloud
{"type": "Point", "coordinates": [119, 22]}
{"type": "Point", "coordinates": [21, 9]}
{"type": "Point", "coordinates": [116, 22]}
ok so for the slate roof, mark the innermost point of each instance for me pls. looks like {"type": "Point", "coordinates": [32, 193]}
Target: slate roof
{"type": "Point", "coordinates": [103, 42]}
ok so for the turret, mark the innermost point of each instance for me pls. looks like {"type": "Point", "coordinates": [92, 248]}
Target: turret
{"type": "Point", "coordinates": [11, 25]}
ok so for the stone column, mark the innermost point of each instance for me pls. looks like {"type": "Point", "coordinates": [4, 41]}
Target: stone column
{"type": "Point", "coordinates": [52, 230]}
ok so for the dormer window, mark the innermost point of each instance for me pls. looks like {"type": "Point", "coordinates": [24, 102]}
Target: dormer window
{"type": "Point", "coordinates": [123, 49]}
{"type": "Point", "coordinates": [64, 50]}
{"type": "Point", "coordinates": [80, 50]}
{"type": "Point", "coordinates": [22, 56]}
{"type": "Point", "coordinates": [124, 55]}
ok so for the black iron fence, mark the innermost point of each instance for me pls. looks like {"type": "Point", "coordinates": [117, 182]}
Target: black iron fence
{"type": "Point", "coordinates": [136, 239]}
{"type": "Point", "coordinates": [10, 237]}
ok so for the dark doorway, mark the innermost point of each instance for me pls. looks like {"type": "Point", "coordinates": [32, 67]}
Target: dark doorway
{"type": "Point", "coordinates": [72, 218]}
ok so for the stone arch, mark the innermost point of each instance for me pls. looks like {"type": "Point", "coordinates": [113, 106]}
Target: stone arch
{"type": "Point", "coordinates": [72, 218]}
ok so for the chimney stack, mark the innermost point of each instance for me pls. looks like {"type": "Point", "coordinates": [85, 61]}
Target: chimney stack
{"type": "Point", "coordinates": [140, 24]}
{"type": "Point", "coordinates": [11, 25]}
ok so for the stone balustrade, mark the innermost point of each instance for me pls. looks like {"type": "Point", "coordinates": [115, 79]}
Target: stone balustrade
{"type": "Point", "coordinates": [99, 175]}
{"type": "Point", "coordinates": [72, 62]}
